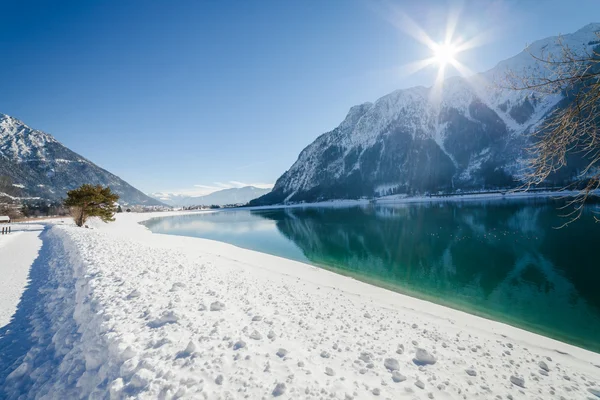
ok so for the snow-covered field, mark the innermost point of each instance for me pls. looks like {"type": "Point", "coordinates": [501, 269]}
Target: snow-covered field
{"type": "Point", "coordinates": [18, 250]}
{"type": "Point", "coordinates": [117, 312]}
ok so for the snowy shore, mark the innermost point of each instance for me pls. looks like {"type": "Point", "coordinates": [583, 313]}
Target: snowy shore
{"type": "Point", "coordinates": [456, 198]}
{"type": "Point", "coordinates": [124, 312]}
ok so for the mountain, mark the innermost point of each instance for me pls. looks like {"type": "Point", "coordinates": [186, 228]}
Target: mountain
{"type": "Point", "coordinates": [40, 166]}
{"type": "Point", "coordinates": [469, 135]}
{"type": "Point", "coordinates": [222, 197]}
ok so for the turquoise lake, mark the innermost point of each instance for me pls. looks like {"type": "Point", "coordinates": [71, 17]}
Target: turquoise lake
{"type": "Point", "coordinates": [504, 260]}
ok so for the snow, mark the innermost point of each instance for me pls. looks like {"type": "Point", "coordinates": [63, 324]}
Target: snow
{"type": "Point", "coordinates": [21, 143]}
{"type": "Point", "coordinates": [18, 250]}
{"type": "Point", "coordinates": [483, 196]}
{"type": "Point", "coordinates": [523, 64]}
{"type": "Point", "coordinates": [124, 312]}
{"type": "Point", "coordinates": [416, 111]}
{"type": "Point", "coordinates": [406, 199]}
{"type": "Point", "coordinates": [579, 42]}
{"type": "Point", "coordinates": [18, 198]}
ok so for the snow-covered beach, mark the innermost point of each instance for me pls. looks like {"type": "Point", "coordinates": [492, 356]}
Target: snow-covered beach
{"type": "Point", "coordinates": [117, 311]}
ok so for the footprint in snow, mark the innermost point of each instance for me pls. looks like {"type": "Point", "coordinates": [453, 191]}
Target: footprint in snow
{"type": "Point", "coordinates": [391, 364]}
{"type": "Point", "coordinates": [240, 344]}
{"type": "Point", "coordinates": [255, 335]}
{"type": "Point", "coordinates": [176, 286]}
{"type": "Point", "coordinates": [398, 377]}
{"type": "Point", "coordinates": [279, 390]}
{"type": "Point", "coordinates": [134, 293]}
{"type": "Point", "coordinates": [423, 357]}
{"type": "Point", "coordinates": [189, 350]}
{"type": "Point", "coordinates": [515, 380]}
{"type": "Point", "coordinates": [281, 353]}
{"type": "Point", "coordinates": [217, 306]}
{"type": "Point", "coordinates": [167, 317]}
{"type": "Point", "coordinates": [400, 349]}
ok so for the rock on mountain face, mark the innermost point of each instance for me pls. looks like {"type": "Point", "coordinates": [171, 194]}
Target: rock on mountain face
{"type": "Point", "coordinates": [468, 135]}
{"type": "Point", "coordinates": [42, 167]}
{"type": "Point", "coordinates": [222, 197]}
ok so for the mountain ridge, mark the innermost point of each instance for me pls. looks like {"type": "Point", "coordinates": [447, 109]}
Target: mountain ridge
{"type": "Point", "coordinates": [40, 166]}
{"type": "Point", "coordinates": [470, 135]}
{"type": "Point", "coordinates": [241, 195]}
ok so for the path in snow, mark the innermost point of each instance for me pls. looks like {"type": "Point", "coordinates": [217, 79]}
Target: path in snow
{"type": "Point", "coordinates": [18, 250]}
{"type": "Point", "coordinates": [17, 336]}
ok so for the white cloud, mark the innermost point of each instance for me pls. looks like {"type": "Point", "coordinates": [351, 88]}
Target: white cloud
{"type": "Point", "coordinates": [204, 186]}
{"type": "Point", "coordinates": [258, 185]}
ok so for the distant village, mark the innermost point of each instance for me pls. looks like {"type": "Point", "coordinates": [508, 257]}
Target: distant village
{"type": "Point", "coordinates": [14, 208]}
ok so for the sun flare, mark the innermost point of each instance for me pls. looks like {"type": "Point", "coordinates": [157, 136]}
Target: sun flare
{"type": "Point", "coordinates": [444, 53]}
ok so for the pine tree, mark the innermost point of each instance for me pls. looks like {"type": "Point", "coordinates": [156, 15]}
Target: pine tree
{"type": "Point", "coordinates": [91, 201]}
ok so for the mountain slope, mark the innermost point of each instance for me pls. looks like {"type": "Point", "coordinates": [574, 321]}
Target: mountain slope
{"type": "Point", "coordinates": [221, 197]}
{"type": "Point", "coordinates": [471, 135]}
{"type": "Point", "coordinates": [42, 167]}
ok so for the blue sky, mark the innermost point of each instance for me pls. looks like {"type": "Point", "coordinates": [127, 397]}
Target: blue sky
{"type": "Point", "coordinates": [190, 96]}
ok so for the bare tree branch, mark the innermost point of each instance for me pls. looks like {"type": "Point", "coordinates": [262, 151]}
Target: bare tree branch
{"type": "Point", "coordinates": [573, 128]}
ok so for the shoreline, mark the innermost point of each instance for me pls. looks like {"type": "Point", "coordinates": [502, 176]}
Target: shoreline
{"type": "Point", "coordinates": [459, 306]}
{"type": "Point", "coordinates": [145, 315]}
{"type": "Point", "coordinates": [403, 199]}
{"type": "Point", "coordinates": [443, 308]}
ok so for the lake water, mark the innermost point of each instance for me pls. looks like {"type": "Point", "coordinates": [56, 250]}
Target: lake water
{"type": "Point", "coordinates": [499, 259]}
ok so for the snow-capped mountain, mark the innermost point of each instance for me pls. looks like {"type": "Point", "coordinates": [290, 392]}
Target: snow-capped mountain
{"type": "Point", "coordinates": [40, 166]}
{"type": "Point", "coordinates": [470, 134]}
{"type": "Point", "coordinates": [240, 195]}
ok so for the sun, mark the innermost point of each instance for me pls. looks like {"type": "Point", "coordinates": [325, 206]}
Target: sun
{"type": "Point", "coordinates": [444, 53]}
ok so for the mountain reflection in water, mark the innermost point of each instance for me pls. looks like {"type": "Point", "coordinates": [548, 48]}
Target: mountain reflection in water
{"type": "Point", "coordinates": [503, 259]}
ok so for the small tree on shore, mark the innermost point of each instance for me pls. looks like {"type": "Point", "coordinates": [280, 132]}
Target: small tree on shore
{"type": "Point", "coordinates": [91, 201]}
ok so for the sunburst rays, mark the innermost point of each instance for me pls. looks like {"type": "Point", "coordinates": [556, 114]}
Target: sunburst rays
{"type": "Point", "coordinates": [445, 53]}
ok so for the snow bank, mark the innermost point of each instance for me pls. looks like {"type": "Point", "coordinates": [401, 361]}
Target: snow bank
{"type": "Point", "coordinates": [508, 195]}
{"type": "Point", "coordinates": [17, 252]}
{"type": "Point", "coordinates": [455, 197]}
{"type": "Point", "coordinates": [124, 312]}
